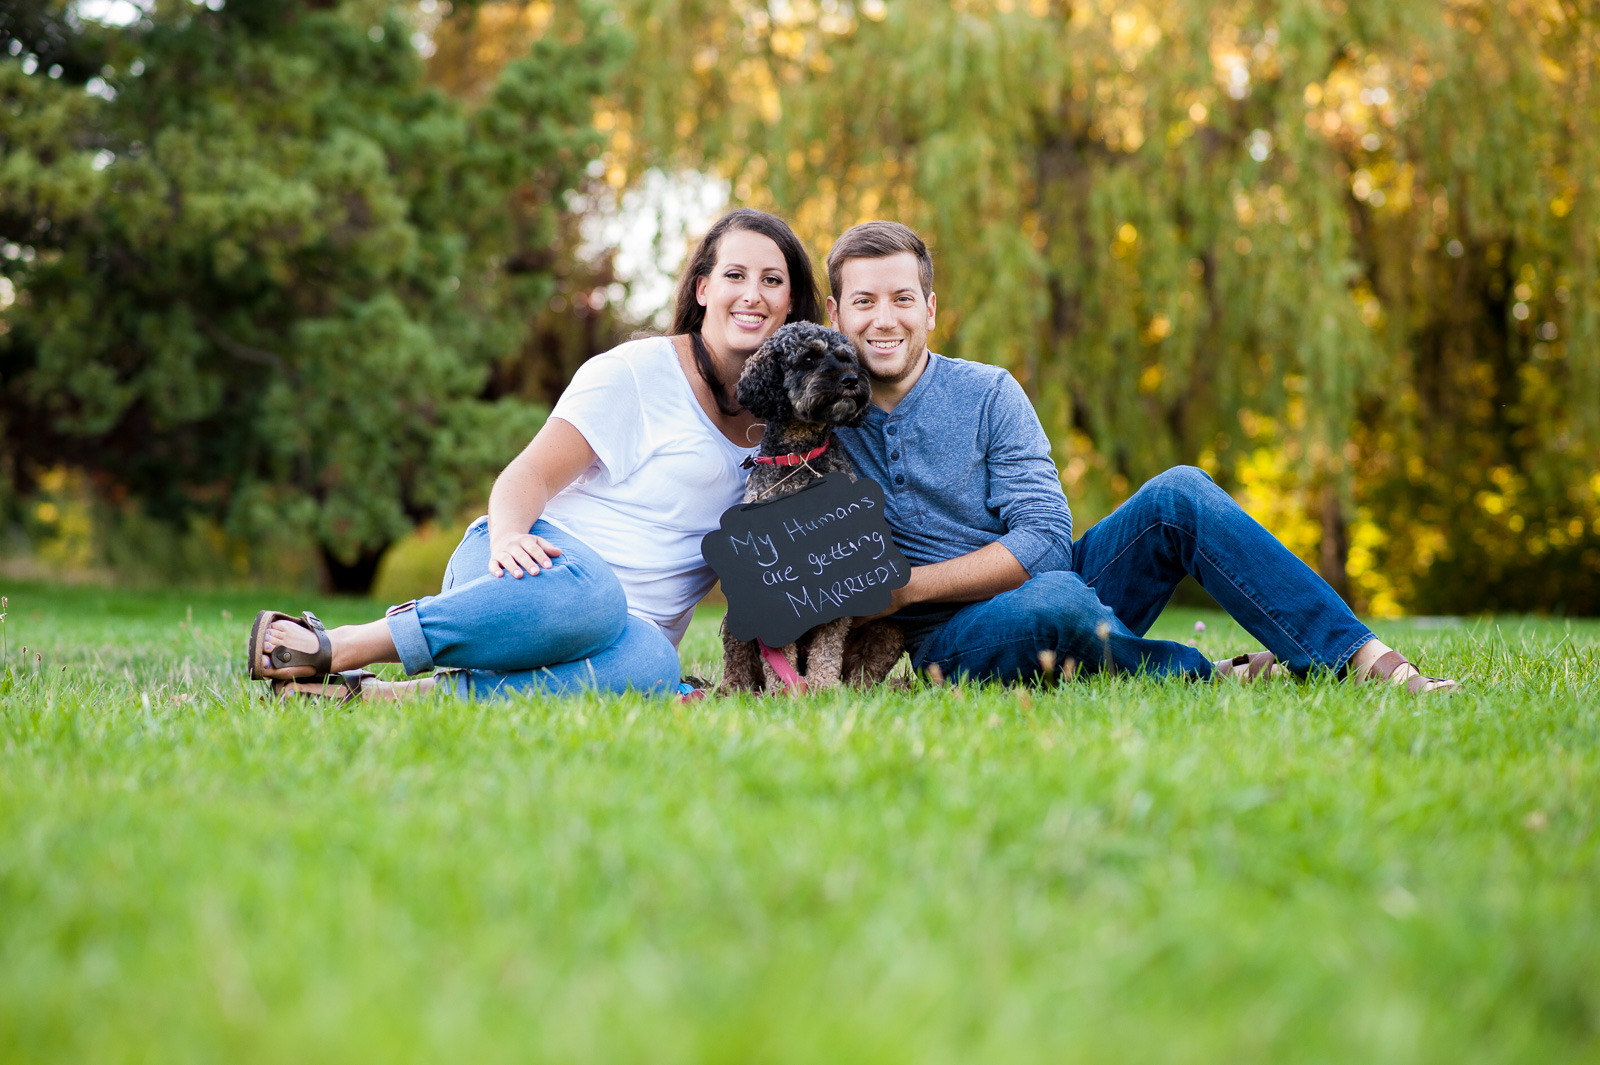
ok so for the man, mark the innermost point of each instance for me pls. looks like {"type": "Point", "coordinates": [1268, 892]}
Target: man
{"type": "Point", "coordinates": [998, 588]}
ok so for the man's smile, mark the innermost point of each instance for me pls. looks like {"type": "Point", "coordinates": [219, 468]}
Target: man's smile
{"type": "Point", "coordinates": [885, 311]}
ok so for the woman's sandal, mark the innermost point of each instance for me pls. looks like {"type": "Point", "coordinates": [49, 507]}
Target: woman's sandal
{"type": "Point", "coordinates": [1384, 668]}
{"type": "Point", "coordinates": [320, 661]}
{"type": "Point", "coordinates": [340, 687]}
{"type": "Point", "coordinates": [1247, 667]}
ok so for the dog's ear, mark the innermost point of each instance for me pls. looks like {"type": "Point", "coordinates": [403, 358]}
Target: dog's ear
{"type": "Point", "coordinates": [761, 388]}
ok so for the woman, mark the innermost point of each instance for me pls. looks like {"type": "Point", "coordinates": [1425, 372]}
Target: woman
{"type": "Point", "coordinates": [585, 571]}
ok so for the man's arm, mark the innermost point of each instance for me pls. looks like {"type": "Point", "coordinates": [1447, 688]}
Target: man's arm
{"type": "Point", "coordinates": [970, 578]}
{"type": "Point", "coordinates": [1023, 488]}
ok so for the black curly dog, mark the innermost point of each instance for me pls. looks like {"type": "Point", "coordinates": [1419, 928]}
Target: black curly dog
{"type": "Point", "coordinates": [804, 381]}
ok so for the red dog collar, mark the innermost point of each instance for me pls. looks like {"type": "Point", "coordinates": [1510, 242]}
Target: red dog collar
{"type": "Point", "coordinates": [791, 459]}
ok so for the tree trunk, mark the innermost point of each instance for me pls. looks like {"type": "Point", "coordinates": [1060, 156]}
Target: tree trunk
{"type": "Point", "coordinates": [351, 578]}
{"type": "Point", "coordinates": [1335, 558]}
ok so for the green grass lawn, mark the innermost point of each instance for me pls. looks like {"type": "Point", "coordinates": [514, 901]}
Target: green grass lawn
{"type": "Point", "coordinates": [1114, 870]}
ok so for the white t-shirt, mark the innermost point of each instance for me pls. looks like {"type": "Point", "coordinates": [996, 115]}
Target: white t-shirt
{"type": "Point", "coordinates": [663, 476]}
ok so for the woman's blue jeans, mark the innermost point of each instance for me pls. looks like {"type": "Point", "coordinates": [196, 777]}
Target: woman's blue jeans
{"type": "Point", "coordinates": [566, 629]}
{"type": "Point", "coordinates": [1125, 569]}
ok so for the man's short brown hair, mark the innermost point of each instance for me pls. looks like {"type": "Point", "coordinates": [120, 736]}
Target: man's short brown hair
{"type": "Point", "coordinates": [879, 240]}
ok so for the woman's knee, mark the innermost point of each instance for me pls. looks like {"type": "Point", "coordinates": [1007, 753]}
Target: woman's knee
{"type": "Point", "coordinates": [567, 612]}
{"type": "Point", "coordinates": [592, 617]}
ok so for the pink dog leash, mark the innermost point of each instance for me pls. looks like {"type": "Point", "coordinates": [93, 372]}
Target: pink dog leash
{"type": "Point", "coordinates": [780, 666]}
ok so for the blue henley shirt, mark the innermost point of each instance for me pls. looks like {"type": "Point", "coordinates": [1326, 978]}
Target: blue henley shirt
{"type": "Point", "coordinates": [964, 463]}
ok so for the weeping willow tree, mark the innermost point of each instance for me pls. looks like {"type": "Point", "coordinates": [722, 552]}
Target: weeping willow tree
{"type": "Point", "coordinates": [1340, 253]}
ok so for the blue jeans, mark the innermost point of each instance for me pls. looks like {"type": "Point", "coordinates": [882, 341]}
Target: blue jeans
{"type": "Point", "coordinates": [566, 630]}
{"type": "Point", "coordinates": [1124, 570]}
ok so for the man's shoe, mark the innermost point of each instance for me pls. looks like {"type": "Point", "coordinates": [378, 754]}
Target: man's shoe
{"type": "Point", "coordinates": [1247, 667]}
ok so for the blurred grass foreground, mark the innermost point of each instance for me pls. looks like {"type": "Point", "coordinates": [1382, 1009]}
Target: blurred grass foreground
{"type": "Point", "coordinates": [283, 282]}
{"type": "Point", "coordinates": [1114, 870]}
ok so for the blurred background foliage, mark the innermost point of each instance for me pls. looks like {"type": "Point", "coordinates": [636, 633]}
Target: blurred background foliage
{"type": "Point", "coordinates": [264, 280]}
{"type": "Point", "coordinates": [1341, 254]}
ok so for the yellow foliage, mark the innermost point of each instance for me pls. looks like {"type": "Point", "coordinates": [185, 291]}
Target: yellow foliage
{"type": "Point", "coordinates": [415, 565]}
{"type": "Point", "coordinates": [1271, 493]}
{"type": "Point", "coordinates": [470, 53]}
{"type": "Point", "coordinates": [63, 520]}
{"type": "Point", "coordinates": [1367, 580]}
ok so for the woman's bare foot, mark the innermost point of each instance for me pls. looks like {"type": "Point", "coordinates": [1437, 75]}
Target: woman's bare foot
{"type": "Point", "coordinates": [354, 646]}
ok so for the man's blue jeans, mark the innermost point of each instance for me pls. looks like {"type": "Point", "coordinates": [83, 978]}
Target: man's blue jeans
{"type": "Point", "coordinates": [566, 630]}
{"type": "Point", "coordinates": [1124, 570]}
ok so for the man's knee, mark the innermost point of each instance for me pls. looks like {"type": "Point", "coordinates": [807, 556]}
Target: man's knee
{"type": "Point", "coordinates": [1059, 608]}
{"type": "Point", "coordinates": [1185, 480]}
{"type": "Point", "coordinates": [1181, 494]}
{"type": "Point", "coordinates": [1053, 612]}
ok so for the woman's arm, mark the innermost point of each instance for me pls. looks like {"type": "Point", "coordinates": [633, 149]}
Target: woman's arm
{"type": "Point", "coordinates": [553, 459]}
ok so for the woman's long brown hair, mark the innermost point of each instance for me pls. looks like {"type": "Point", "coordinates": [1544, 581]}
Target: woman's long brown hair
{"type": "Point", "coordinates": [805, 302]}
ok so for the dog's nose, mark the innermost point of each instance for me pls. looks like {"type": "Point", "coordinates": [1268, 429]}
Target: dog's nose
{"type": "Point", "coordinates": [847, 379]}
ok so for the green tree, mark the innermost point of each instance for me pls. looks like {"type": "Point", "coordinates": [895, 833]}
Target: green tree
{"type": "Point", "coordinates": [1341, 252]}
{"type": "Point", "coordinates": [259, 269]}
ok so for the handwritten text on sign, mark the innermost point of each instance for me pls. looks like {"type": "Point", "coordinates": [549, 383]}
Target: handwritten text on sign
{"type": "Point", "coordinates": [792, 564]}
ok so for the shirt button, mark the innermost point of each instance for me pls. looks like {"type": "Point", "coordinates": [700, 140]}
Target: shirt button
{"type": "Point", "coordinates": [894, 456]}
{"type": "Point", "coordinates": [890, 430]}
{"type": "Point", "coordinates": [899, 479]}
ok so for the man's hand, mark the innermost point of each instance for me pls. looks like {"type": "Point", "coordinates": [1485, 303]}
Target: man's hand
{"type": "Point", "coordinates": [899, 599]}
{"type": "Point", "coordinates": [521, 553]}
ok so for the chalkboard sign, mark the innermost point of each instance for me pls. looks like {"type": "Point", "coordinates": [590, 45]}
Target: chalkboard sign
{"type": "Point", "coordinates": [796, 562]}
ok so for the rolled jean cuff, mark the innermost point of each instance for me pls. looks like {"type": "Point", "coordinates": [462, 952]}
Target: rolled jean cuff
{"type": "Point", "coordinates": [405, 628]}
{"type": "Point", "coordinates": [457, 682]}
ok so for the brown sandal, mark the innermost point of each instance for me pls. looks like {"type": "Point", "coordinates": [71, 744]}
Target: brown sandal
{"type": "Point", "coordinates": [1247, 667]}
{"type": "Point", "coordinates": [1385, 667]}
{"type": "Point", "coordinates": [340, 687]}
{"type": "Point", "coordinates": [320, 661]}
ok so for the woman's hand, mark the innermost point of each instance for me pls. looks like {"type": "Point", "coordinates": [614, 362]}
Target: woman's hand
{"type": "Point", "coordinates": [521, 553]}
{"type": "Point", "coordinates": [553, 460]}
